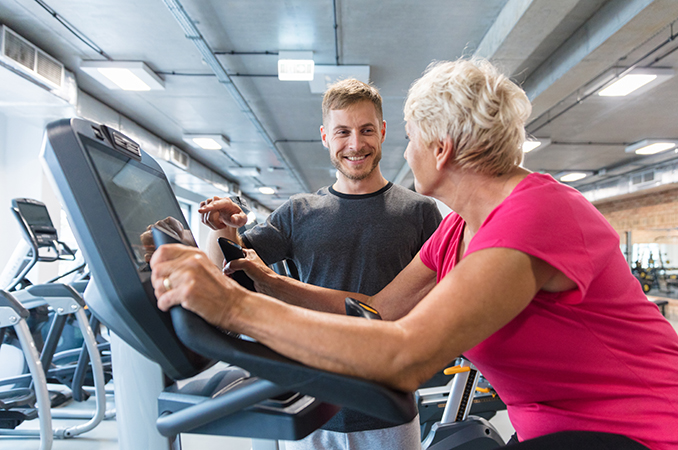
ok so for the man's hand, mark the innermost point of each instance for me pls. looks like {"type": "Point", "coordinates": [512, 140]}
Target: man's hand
{"type": "Point", "coordinates": [255, 268]}
{"type": "Point", "coordinates": [218, 213]}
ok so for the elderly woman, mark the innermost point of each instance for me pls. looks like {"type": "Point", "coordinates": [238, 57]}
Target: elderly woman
{"type": "Point", "coordinates": [525, 278]}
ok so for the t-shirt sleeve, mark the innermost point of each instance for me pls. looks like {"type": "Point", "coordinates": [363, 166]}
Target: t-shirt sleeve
{"type": "Point", "coordinates": [426, 253]}
{"type": "Point", "coordinates": [272, 239]}
{"type": "Point", "coordinates": [441, 244]}
{"type": "Point", "coordinates": [556, 227]}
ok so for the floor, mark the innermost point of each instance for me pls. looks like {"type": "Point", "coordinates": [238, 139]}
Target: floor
{"type": "Point", "coordinates": [105, 436]}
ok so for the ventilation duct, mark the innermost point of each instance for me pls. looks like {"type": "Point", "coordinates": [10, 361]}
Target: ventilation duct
{"type": "Point", "coordinates": [179, 158]}
{"type": "Point", "coordinates": [29, 59]}
{"type": "Point", "coordinates": [660, 175]}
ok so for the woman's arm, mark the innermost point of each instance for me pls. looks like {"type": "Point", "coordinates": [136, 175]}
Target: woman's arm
{"type": "Point", "coordinates": [483, 293]}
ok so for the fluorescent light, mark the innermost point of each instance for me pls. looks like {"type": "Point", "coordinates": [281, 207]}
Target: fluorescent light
{"type": "Point", "coordinates": [295, 66]}
{"type": "Point", "coordinates": [207, 141]}
{"type": "Point", "coordinates": [573, 176]}
{"type": "Point", "coordinates": [124, 79]}
{"type": "Point", "coordinates": [327, 75]}
{"type": "Point", "coordinates": [267, 190]}
{"type": "Point", "coordinates": [125, 75]}
{"type": "Point", "coordinates": [221, 186]}
{"type": "Point", "coordinates": [651, 146]}
{"type": "Point", "coordinates": [533, 144]}
{"type": "Point", "coordinates": [626, 84]}
{"type": "Point", "coordinates": [244, 171]}
{"type": "Point", "coordinates": [637, 81]}
{"type": "Point", "coordinates": [655, 148]}
{"type": "Point", "coordinates": [251, 217]}
{"type": "Point", "coordinates": [528, 146]}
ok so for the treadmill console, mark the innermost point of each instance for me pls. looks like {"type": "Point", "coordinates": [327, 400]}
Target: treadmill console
{"type": "Point", "coordinates": [34, 217]}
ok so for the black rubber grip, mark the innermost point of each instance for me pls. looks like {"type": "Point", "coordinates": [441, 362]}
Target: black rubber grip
{"type": "Point", "coordinates": [232, 251]}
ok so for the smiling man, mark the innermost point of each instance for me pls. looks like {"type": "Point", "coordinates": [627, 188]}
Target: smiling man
{"type": "Point", "coordinates": [355, 236]}
{"type": "Point", "coordinates": [353, 130]}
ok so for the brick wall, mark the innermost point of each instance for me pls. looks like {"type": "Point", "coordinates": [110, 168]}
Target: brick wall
{"type": "Point", "coordinates": [649, 216]}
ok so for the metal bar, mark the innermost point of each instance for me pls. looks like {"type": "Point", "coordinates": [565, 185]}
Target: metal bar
{"type": "Point", "coordinates": [40, 384]}
{"type": "Point", "coordinates": [194, 416]}
{"type": "Point", "coordinates": [53, 337]}
{"type": "Point", "coordinates": [98, 372]}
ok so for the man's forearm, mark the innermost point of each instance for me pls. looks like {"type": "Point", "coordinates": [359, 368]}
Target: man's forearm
{"type": "Point", "coordinates": [213, 250]}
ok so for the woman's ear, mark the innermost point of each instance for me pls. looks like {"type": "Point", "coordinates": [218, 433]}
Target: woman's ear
{"type": "Point", "coordinates": [444, 152]}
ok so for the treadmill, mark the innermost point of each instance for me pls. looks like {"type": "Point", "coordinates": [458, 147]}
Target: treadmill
{"type": "Point", "coordinates": [113, 192]}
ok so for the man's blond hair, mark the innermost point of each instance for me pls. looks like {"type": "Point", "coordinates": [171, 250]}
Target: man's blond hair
{"type": "Point", "coordinates": [349, 92]}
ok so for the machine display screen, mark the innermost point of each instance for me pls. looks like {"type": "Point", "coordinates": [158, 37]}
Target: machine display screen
{"type": "Point", "coordinates": [35, 215]}
{"type": "Point", "coordinates": [140, 197]}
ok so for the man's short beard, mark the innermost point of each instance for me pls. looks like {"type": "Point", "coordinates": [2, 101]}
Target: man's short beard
{"type": "Point", "coordinates": [337, 165]}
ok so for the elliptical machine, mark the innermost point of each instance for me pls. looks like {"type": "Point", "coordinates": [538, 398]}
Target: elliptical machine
{"type": "Point", "coordinates": [71, 367]}
{"type": "Point", "coordinates": [40, 243]}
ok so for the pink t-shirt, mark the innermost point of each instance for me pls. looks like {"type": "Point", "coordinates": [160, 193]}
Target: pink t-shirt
{"type": "Point", "coordinates": [600, 357]}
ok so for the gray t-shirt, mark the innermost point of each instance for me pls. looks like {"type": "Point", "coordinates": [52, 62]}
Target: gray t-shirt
{"type": "Point", "coordinates": [356, 243]}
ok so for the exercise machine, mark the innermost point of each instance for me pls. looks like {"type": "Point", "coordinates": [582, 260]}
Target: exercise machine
{"type": "Point", "coordinates": [40, 243]}
{"type": "Point", "coordinates": [61, 344]}
{"type": "Point", "coordinates": [114, 193]}
{"type": "Point", "coordinates": [65, 301]}
{"type": "Point", "coordinates": [14, 315]}
{"type": "Point", "coordinates": [456, 429]}
{"type": "Point", "coordinates": [432, 398]}
{"type": "Point", "coordinates": [65, 365]}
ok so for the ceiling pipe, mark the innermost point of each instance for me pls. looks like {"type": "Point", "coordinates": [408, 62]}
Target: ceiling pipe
{"type": "Point", "coordinates": [77, 33]}
{"type": "Point", "coordinates": [336, 32]}
{"type": "Point", "coordinates": [192, 33]}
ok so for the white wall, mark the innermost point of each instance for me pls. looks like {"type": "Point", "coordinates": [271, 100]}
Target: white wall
{"type": "Point", "coordinates": [21, 176]}
{"type": "Point", "coordinates": [444, 209]}
{"type": "Point", "coordinates": [25, 110]}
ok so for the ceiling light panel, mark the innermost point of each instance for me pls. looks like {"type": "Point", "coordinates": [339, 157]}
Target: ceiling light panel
{"type": "Point", "coordinates": [572, 176]}
{"type": "Point", "coordinates": [295, 66]}
{"type": "Point", "coordinates": [207, 141]}
{"type": "Point", "coordinates": [244, 171]}
{"type": "Point", "coordinates": [651, 146]}
{"type": "Point", "coordinates": [267, 190]}
{"type": "Point", "coordinates": [636, 82]}
{"type": "Point", "coordinates": [535, 144]}
{"type": "Point", "coordinates": [123, 75]}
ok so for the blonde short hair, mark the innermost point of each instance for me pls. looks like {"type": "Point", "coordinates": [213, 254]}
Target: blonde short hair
{"type": "Point", "coordinates": [482, 111]}
{"type": "Point", "coordinates": [345, 93]}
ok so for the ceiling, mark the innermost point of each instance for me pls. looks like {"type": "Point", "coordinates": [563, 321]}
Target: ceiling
{"type": "Point", "coordinates": [218, 60]}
